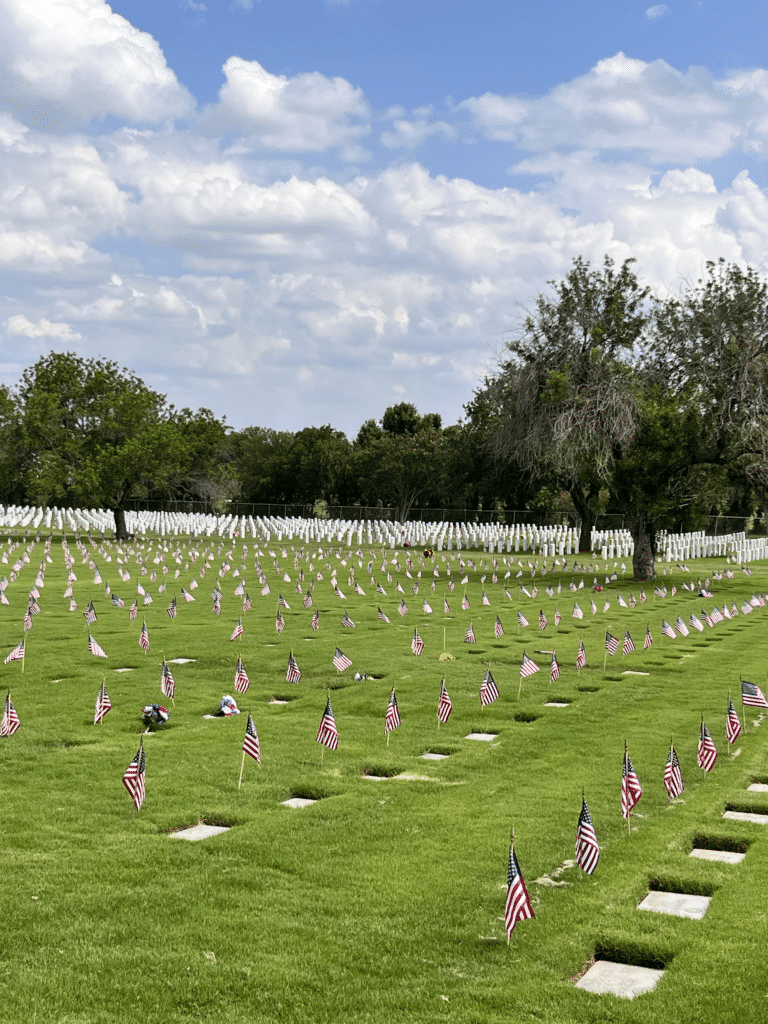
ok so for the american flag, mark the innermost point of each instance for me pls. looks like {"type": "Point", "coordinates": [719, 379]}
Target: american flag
{"type": "Point", "coordinates": [347, 622]}
{"type": "Point", "coordinates": [631, 790]}
{"type": "Point", "coordinates": [725, 612]}
{"type": "Point", "coordinates": [417, 644]}
{"type": "Point", "coordinates": [134, 611]}
{"type": "Point", "coordinates": [341, 661]}
{"type": "Point", "coordinates": [611, 643]}
{"type": "Point", "coordinates": [732, 723]}
{"type": "Point", "coordinates": [581, 656]}
{"type": "Point", "coordinates": [518, 906]}
{"type": "Point", "coordinates": [94, 648]}
{"type": "Point", "coordinates": [694, 621]}
{"type": "Point", "coordinates": [632, 600]}
{"type": "Point", "coordinates": [308, 600]}
{"type": "Point", "coordinates": [238, 630]}
{"type": "Point", "coordinates": [558, 617]}
{"type": "Point", "coordinates": [172, 609]}
{"type": "Point", "coordinates": [167, 682]}
{"type": "Point", "coordinates": [667, 630]}
{"type": "Point", "coordinates": [622, 602]}
{"type": "Point", "coordinates": [554, 672]}
{"type": "Point", "coordinates": [246, 602]}
{"type": "Point", "coordinates": [265, 590]}
{"type": "Point", "coordinates": [328, 734]}
{"type": "Point", "coordinates": [380, 589]}
{"type": "Point", "coordinates": [392, 717]}
{"type": "Point", "coordinates": [382, 617]}
{"type": "Point", "coordinates": [133, 780]}
{"type": "Point", "coordinates": [293, 672]}
{"type": "Point", "coordinates": [90, 614]}
{"type": "Point", "coordinates": [10, 722]}
{"type": "Point", "coordinates": [465, 603]}
{"type": "Point", "coordinates": [489, 692]}
{"type": "Point", "coordinates": [607, 606]}
{"type": "Point", "coordinates": [706, 618]}
{"type": "Point", "coordinates": [527, 666]}
{"type": "Point", "coordinates": [144, 638]}
{"type": "Point", "coordinates": [279, 623]}
{"type": "Point", "coordinates": [469, 636]}
{"type": "Point", "coordinates": [103, 704]}
{"type": "Point", "coordinates": [643, 598]}
{"type": "Point", "coordinates": [251, 741]}
{"type": "Point", "coordinates": [628, 645]}
{"type": "Point", "coordinates": [241, 677]}
{"type": "Point", "coordinates": [673, 777]}
{"type": "Point", "coordinates": [485, 599]}
{"type": "Point", "coordinates": [446, 606]}
{"type": "Point", "coordinates": [707, 753]}
{"type": "Point", "coordinates": [577, 612]}
{"type": "Point", "coordinates": [751, 696]}
{"type": "Point", "coordinates": [521, 620]}
{"type": "Point", "coordinates": [282, 602]}
{"type": "Point", "coordinates": [27, 622]}
{"type": "Point", "coordinates": [426, 607]}
{"type": "Point", "coordinates": [587, 850]}
{"type": "Point", "coordinates": [542, 619]}
{"type": "Point", "coordinates": [117, 602]}
{"type": "Point", "coordinates": [316, 620]}
{"type": "Point", "coordinates": [444, 705]}
{"type": "Point", "coordinates": [402, 608]}
{"type": "Point", "coordinates": [648, 642]}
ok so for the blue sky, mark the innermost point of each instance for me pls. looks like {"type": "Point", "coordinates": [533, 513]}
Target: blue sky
{"type": "Point", "coordinates": [298, 212]}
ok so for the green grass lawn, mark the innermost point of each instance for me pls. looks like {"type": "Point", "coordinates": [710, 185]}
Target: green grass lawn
{"type": "Point", "coordinates": [384, 900]}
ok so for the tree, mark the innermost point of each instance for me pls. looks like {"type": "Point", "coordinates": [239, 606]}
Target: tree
{"type": "Point", "coordinates": [93, 434]}
{"type": "Point", "coordinates": [567, 390]}
{"type": "Point", "coordinates": [713, 341]}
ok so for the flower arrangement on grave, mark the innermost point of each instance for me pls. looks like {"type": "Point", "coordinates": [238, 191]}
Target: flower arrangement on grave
{"type": "Point", "coordinates": [154, 716]}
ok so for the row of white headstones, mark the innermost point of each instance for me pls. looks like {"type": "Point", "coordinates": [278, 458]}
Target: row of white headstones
{"type": "Point", "coordinates": [545, 541]}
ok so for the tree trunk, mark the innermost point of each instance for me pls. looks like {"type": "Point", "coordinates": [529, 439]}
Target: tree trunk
{"type": "Point", "coordinates": [581, 498]}
{"type": "Point", "coordinates": [644, 558]}
{"type": "Point", "coordinates": [121, 531]}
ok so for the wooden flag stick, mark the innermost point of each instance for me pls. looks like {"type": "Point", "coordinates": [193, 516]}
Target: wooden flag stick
{"type": "Point", "coordinates": [242, 763]}
{"type": "Point", "coordinates": [511, 847]}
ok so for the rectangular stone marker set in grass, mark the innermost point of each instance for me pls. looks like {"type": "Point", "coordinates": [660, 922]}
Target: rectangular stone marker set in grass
{"type": "Point", "coordinates": [433, 757]}
{"type": "Point", "coordinates": [298, 801]}
{"type": "Point", "coordinates": [758, 787]}
{"type": "Point", "coordinates": [556, 704]}
{"type": "Point", "coordinates": [627, 980]}
{"type": "Point", "coordinates": [755, 819]}
{"type": "Point", "coordinates": [678, 904]}
{"type": "Point", "coordinates": [196, 832]}
{"type": "Point", "coordinates": [487, 736]}
{"type": "Point", "coordinates": [726, 856]}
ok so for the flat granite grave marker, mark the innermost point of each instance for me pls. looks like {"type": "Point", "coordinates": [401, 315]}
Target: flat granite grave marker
{"type": "Point", "coordinates": [627, 980]}
{"type": "Point", "coordinates": [726, 856]}
{"type": "Point", "coordinates": [433, 757]}
{"type": "Point", "coordinates": [196, 832]}
{"type": "Point", "coordinates": [487, 736]}
{"type": "Point", "coordinates": [678, 904]}
{"type": "Point", "coordinates": [298, 801]}
{"type": "Point", "coordinates": [757, 787]}
{"type": "Point", "coordinates": [556, 704]}
{"type": "Point", "coordinates": [756, 819]}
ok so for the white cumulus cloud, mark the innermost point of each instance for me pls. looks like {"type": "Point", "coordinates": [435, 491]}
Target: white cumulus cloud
{"type": "Point", "coordinates": [68, 61]}
{"type": "Point", "coordinates": [20, 326]}
{"type": "Point", "coordinates": [308, 112]}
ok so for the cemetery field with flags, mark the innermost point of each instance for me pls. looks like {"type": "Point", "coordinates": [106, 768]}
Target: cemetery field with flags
{"type": "Point", "coordinates": [390, 891]}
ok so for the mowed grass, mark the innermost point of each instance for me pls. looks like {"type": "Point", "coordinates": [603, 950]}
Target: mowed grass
{"type": "Point", "coordinates": [383, 901]}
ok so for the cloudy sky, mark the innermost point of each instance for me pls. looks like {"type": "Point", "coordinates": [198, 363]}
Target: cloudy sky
{"type": "Point", "coordinates": [298, 212]}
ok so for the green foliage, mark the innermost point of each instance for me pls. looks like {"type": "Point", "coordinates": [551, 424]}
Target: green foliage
{"type": "Point", "coordinates": [92, 434]}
